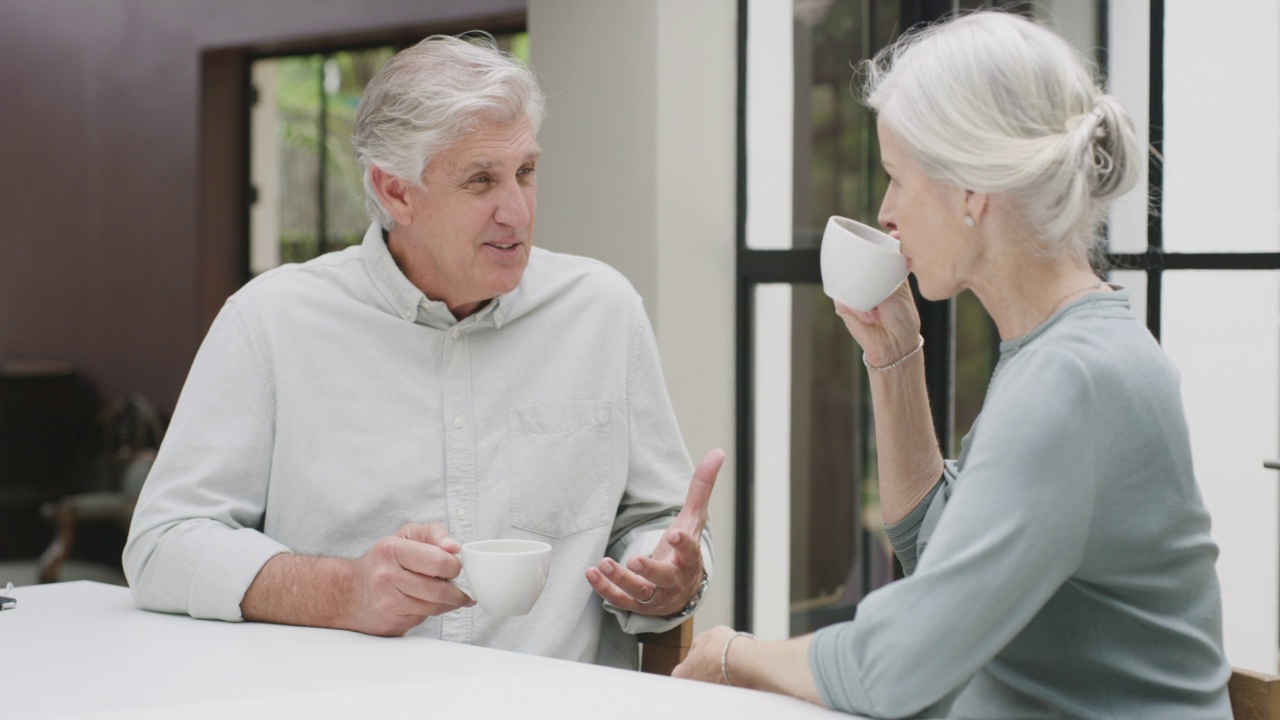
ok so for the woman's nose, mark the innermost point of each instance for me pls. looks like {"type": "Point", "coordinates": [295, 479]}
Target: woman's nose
{"type": "Point", "coordinates": [885, 218]}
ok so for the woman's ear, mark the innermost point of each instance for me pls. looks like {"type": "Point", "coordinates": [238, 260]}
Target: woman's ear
{"type": "Point", "coordinates": [393, 193]}
{"type": "Point", "coordinates": [975, 204]}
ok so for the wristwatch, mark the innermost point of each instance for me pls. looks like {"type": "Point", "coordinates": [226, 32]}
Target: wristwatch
{"type": "Point", "coordinates": [692, 605]}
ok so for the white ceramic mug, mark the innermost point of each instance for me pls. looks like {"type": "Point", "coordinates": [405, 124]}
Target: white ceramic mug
{"type": "Point", "coordinates": [504, 577]}
{"type": "Point", "coordinates": [861, 266]}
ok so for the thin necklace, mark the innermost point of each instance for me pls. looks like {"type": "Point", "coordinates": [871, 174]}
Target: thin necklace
{"type": "Point", "coordinates": [1097, 283]}
{"type": "Point", "coordinates": [1000, 361]}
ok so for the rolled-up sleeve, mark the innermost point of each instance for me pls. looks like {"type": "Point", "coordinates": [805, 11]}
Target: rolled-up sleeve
{"type": "Point", "coordinates": [905, 534]}
{"type": "Point", "coordinates": [195, 544]}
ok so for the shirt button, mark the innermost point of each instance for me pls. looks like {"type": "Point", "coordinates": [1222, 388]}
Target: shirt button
{"type": "Point", "coordinates": [462, 514]}
{"type": "Point", "coordinates": [456, 333]}
{"type": "Point", "coordinates": [457, 422]}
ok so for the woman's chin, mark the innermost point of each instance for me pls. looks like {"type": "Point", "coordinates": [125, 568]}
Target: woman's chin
{"type": "Point", "coordinates": [927, 290]}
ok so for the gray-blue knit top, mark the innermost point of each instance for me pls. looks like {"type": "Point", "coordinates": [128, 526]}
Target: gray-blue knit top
{"type": "Point", "coordinates": [1069, 570]}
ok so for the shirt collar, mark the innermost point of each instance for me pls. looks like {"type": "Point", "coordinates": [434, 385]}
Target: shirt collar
{"type": "Point", "coordinates": [1115, 301]}
{"type": "Point", "coordinates": [410, 303]}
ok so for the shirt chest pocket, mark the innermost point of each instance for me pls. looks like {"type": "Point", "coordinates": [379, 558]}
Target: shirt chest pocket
{"type": "Point", "coordinates": [559, 467]}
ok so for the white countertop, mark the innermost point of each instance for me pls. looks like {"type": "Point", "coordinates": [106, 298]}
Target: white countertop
{"type": "Point", "coordinates": [84, 650]}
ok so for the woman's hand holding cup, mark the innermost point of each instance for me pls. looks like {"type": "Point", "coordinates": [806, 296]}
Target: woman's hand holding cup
{"type": "Point", "coordinates": [865, 274]}
{"type": "Point", "coordinates": [887, 331]}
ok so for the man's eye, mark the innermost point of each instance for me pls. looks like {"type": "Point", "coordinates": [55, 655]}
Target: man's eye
{"type": "Point", "coordinates": [481, 180]}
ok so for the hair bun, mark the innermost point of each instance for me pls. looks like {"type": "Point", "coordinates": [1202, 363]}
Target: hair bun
{"type": "Point", "coordinates": [1104, 152]}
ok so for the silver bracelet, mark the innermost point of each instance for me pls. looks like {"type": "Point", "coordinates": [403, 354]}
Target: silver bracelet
{"type": "Point", "coordinates": [724, 655]}
{"type": "Point", "coordinates": [895, 363]}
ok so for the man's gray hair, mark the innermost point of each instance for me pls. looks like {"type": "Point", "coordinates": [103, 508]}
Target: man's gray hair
{"type": "Point", "coordinates": [428, 97]}
{"type": "Point", "coordinates": [993, 102]}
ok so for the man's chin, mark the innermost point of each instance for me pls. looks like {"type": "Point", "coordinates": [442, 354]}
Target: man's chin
{"type": "Point", "coordinates": [506, 284]}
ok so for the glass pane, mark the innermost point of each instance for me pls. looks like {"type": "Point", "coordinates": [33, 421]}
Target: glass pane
{"type": "Point", "coordinates": [977, 350]}
{"type": "Point", "coordinates": [345, 75]}
{"type": "Point", "coordinates": [1222, 330]}
{"type": "Point", "coordinates": [839, 551]}
{"type": "Point", "coordinates": [1078, 22]}
{"type": "Point", "coordinates": [836, 165]}
{"type": "Point", "coordinates": [284, 161]}
{"type": "Point", "coordinates": [516, 43]}
{"type": "Point", "coordinates": [1135, 281]}
{"type": "Point", "coordinates": [298, 100]}
{"type": "Point", "coordinates": [1221, 196]}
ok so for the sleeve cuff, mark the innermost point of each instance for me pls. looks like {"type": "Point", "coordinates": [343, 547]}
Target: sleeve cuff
{"type": "Point", "coordinates": [839, 682]}
{"type": "Point", "coordinates": [224, 574]}
{"type": "Point", "coordinates": [903, 534]}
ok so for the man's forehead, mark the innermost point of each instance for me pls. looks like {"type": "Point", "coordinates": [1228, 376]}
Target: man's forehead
{"type": "Point", "coordinates": [491, 145]}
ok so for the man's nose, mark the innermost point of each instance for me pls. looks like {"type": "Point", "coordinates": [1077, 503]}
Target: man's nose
{"type": "Point", "coordinates": [514, 206]}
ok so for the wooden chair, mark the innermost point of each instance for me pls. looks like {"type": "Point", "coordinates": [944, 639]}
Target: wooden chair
{"type": "Point", "coordinates": [660, 653]}
{"type": "Point", "coordinates": [127, 433]}
{"type": "Point", "coordinates": [1254, 695]}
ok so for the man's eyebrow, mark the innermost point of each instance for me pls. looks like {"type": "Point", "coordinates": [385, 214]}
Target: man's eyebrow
{"type": "Point", "coordinates": [477, 165]}
{"type": "Point", "coordinates": [480, 165]}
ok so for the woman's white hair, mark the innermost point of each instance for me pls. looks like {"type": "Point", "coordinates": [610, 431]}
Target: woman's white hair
{"type": "Point", "coordinates": [993, 102]}
{"type": "Point", "coordinates": [428, 97]}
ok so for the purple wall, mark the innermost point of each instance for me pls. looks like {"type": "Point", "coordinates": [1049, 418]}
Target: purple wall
{"type": "Point", "coordinates": [101, 261]}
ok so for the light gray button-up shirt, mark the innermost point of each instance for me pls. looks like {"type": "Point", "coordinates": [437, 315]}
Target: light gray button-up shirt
{"type": "Point", "coordinates": [332, 402]}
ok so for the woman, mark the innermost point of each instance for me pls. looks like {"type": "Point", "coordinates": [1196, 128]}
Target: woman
{"type": "Point", "coordinates": [1069, 569]}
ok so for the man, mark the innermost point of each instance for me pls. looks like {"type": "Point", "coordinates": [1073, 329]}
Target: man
{"type": "Point", "coordinates": [349, 422]}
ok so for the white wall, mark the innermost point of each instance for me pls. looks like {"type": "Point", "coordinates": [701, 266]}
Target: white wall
{"type": "Point", "coordinates": [597, 179]}
{"type": "Point", "coordinates": [639, 170]}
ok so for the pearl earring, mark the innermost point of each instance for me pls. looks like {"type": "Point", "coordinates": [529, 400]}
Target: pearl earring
{"type": "Point", "coordinates": [968, 221]}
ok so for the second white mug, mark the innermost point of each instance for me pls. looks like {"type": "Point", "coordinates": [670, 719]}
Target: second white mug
{"type": "Point", "coordinates": [505, 577]}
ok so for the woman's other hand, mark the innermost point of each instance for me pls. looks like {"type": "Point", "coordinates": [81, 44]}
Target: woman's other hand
{"type": "Point", "coordinates": [723, 656]}
{"type": "Point", "coordinates": [703, 661]}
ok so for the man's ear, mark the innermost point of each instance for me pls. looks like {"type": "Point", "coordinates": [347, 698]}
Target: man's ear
{"type": "Point", "coordinates": [393, 194]}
